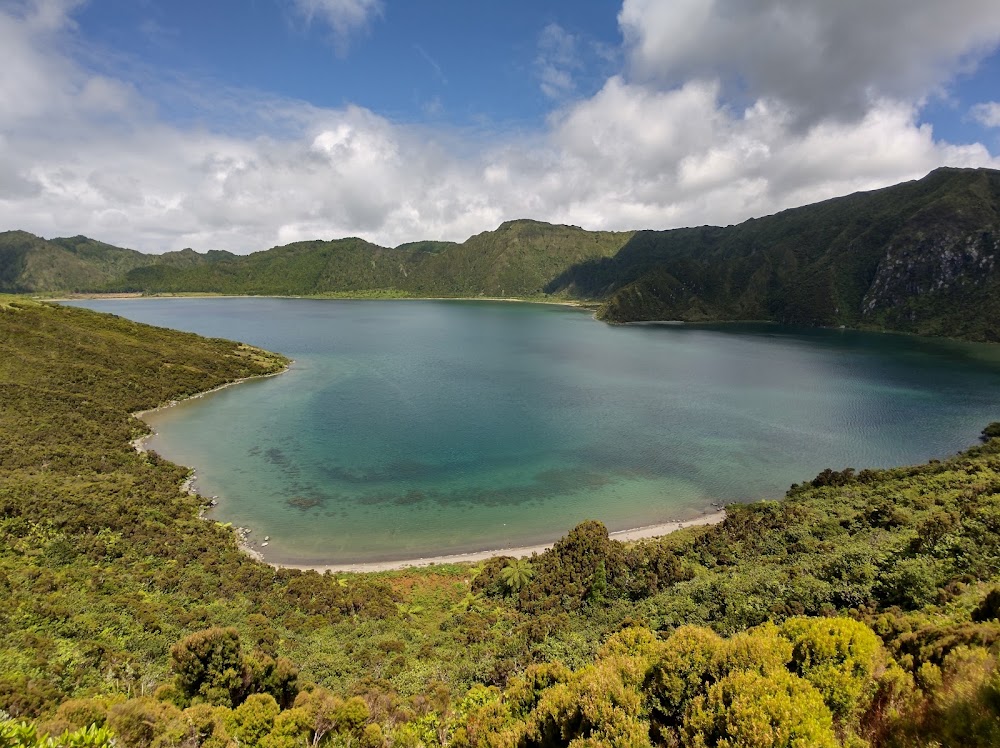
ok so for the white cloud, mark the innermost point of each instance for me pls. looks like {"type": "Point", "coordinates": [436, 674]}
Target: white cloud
{"type": "Point", "coordinates": [344, 17]}
{"type": "Point", "coordinates": [987, 114]}
{"type": "Point", "coordinates": [557, 61]}
{"type": "Point", "coordinates": [83, 153]}
{"type": "Point", "coordinates": [46, 15]}
{"type": "Point", "coordinates": [820, 58]}
{"type": "Point", "coordinates": [673, 158]}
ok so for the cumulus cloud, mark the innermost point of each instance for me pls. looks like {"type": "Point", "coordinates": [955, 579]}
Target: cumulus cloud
{"type": "Point", "coordinates": [819, 58]}
{"type": "Point", "coordinates": [343, 16]}
{"type": "Point", "coordinates": [987, 113]}
{"type": "Point", "coordinates": [679, 157]}
{"type": "Point", "coordinates": [86, 153]}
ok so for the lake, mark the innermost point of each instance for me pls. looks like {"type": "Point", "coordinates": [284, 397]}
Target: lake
{"type": "Point", "coordinates": [407, 429]}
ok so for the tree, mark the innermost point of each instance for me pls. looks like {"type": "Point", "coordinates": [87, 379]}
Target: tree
{"type": "Point", "coordinates": [595, 707]}
{"type": "Point", "coordinates": [965, 709]}
{"type": "Point", "coordinates": [276, 677]}
{"type": "Point", "coordinates": [599, 585]}
{"type": "Point", "coordinates": [840, 657]}
{"type": "Point", "coordinates": [209, 665]}
{"type": "Point", "coordinates": [750, 710]}
{"type": "Point", "coordinates": [683, 670]}
{"type": "Point", "coordinates": [566, 574]}
{"type": "Point", "coordinates": [330, 714]}
{"type": "Point", "coordinates": [989, 608]}
{"type": "Point", "coordinates": [254, 719]}
{"type": "Point", "coordinates": [762, 649]}
{"type": "Point", "coordinates": [141, 722]}
{"type": "Point", "coordinates": [517, 574]}
{"type": "Point", "coordinates": [991, 432]}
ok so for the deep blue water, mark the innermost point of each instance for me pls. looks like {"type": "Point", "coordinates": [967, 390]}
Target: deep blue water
{"type": "Point", "coordinates": [416, 428]}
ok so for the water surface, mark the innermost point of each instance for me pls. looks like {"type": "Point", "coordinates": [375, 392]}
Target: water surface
{"type": "Point", "coordinates": [418, 428]}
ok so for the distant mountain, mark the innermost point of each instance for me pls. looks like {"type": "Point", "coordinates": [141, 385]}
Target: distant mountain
{"type": "Point", "coordinates": [518, 259]}
{"type": "Point", "coordinates": [920, 256]}
{"type": "Point", "coordinates": [29, 263]}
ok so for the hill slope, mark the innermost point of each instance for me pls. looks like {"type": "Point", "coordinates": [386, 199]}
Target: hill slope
{"type": "Point", "coordinates": [29, 263]}
{"type": "Point", "coordinates": [918, 257]}
{"type": "Point", "coordinates": [104, 565]}
{"type": "Point", "coordinates": [518, 259]}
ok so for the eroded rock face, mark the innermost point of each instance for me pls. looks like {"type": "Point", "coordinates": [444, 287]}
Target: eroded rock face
{"type": "Point", "coordinates": [942, 264]}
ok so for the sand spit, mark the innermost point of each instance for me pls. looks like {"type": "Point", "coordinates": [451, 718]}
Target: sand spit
{"type": "Point", "coordinates": [639, 533]}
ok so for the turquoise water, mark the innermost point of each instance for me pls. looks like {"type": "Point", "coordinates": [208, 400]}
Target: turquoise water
{"type": "Point", "coordinates": [418, 428]}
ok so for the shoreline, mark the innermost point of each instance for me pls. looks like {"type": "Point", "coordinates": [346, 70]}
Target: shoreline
{"type": "Point", "coordinates": [638, 533]}
{"type": "Point", "coordinates": [139, 443]}
{"type": "Point", "coordinates": [592, 306]}
{"type": "Point", "coordinates": [124, 296]}
{"type": "Point", "coordinates": [252, 550]}
{"type": "Point", "coordinates": [187, 486]}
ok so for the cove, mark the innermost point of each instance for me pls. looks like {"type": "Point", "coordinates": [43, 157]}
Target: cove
{"type": "Point", "coordinates": [408, 429]}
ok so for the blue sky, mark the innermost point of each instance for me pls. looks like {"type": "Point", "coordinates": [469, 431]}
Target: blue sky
{"type": "Point", "coordinates": [453, 61]}
{"type": "Point", "coordinates": [950, 113]}
{"type": "Point", "coordinates": [240, 124]}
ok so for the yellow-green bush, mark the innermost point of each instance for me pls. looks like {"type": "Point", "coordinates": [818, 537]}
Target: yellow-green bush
{"type": "Point", "coordinates": [749, 710]}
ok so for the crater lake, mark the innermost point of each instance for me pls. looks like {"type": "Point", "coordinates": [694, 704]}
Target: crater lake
{"type": "Point", "coordinates": [415, 428]}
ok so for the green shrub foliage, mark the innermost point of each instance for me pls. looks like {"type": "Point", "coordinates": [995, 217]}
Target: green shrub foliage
{"type": "Point", "coordinates": [861, 608]}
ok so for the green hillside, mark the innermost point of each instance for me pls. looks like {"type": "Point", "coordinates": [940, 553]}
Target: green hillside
{"type": "Point", "coordinates": [517, 259]}
{"type": "Point", "coordinates": [915, 257]}
{"type": "Point", "coordinates": [31, 264]}
{"type": "Point", "coordinates": [296, 269]}
{"type": "Point", "coordinates": [863, 609]}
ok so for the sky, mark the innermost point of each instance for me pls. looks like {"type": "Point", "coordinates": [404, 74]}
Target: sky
{"type": "Point", "coordinates": [242, 124]}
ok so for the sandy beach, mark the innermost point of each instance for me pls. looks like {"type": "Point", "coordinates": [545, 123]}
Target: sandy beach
{"type": "Point", "coordinates": [639, 533]}
{"type": "Point", "coordinates": [139, 443]}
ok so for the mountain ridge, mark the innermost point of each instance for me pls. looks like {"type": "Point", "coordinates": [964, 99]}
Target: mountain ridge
{"type": "Point", "coordinates": [920, 256]}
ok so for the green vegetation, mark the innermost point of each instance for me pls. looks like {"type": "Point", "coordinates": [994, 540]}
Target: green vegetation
{"type": "Point", "coordinates": [29, 263]}
{"type": "Point", "coordinates": [862, 609]}
{"type": "Point", "coordinates": [515, 261]}
{"type": "Point", "coordinates": [917, 257]}
{"type": "Point", "coordinates": [920, 257]}
{"type": "Point", "coordinates": [104, 562]}
{"type": "Point", "coordinates": [14, 733]}
{"type": "Point", "coordinates": [817, 682]}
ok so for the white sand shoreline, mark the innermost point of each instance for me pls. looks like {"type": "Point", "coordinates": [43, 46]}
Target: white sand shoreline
{"type": "Point", "coordinates": [639, 533]}
{"type": "Point", "coordinates": [139, 443]}
{"type": "Point", "coordinates": [255, 552]}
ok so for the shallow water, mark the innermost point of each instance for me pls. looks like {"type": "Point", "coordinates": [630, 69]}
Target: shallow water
{"type": "Point", "coordinates": [419, 428]}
